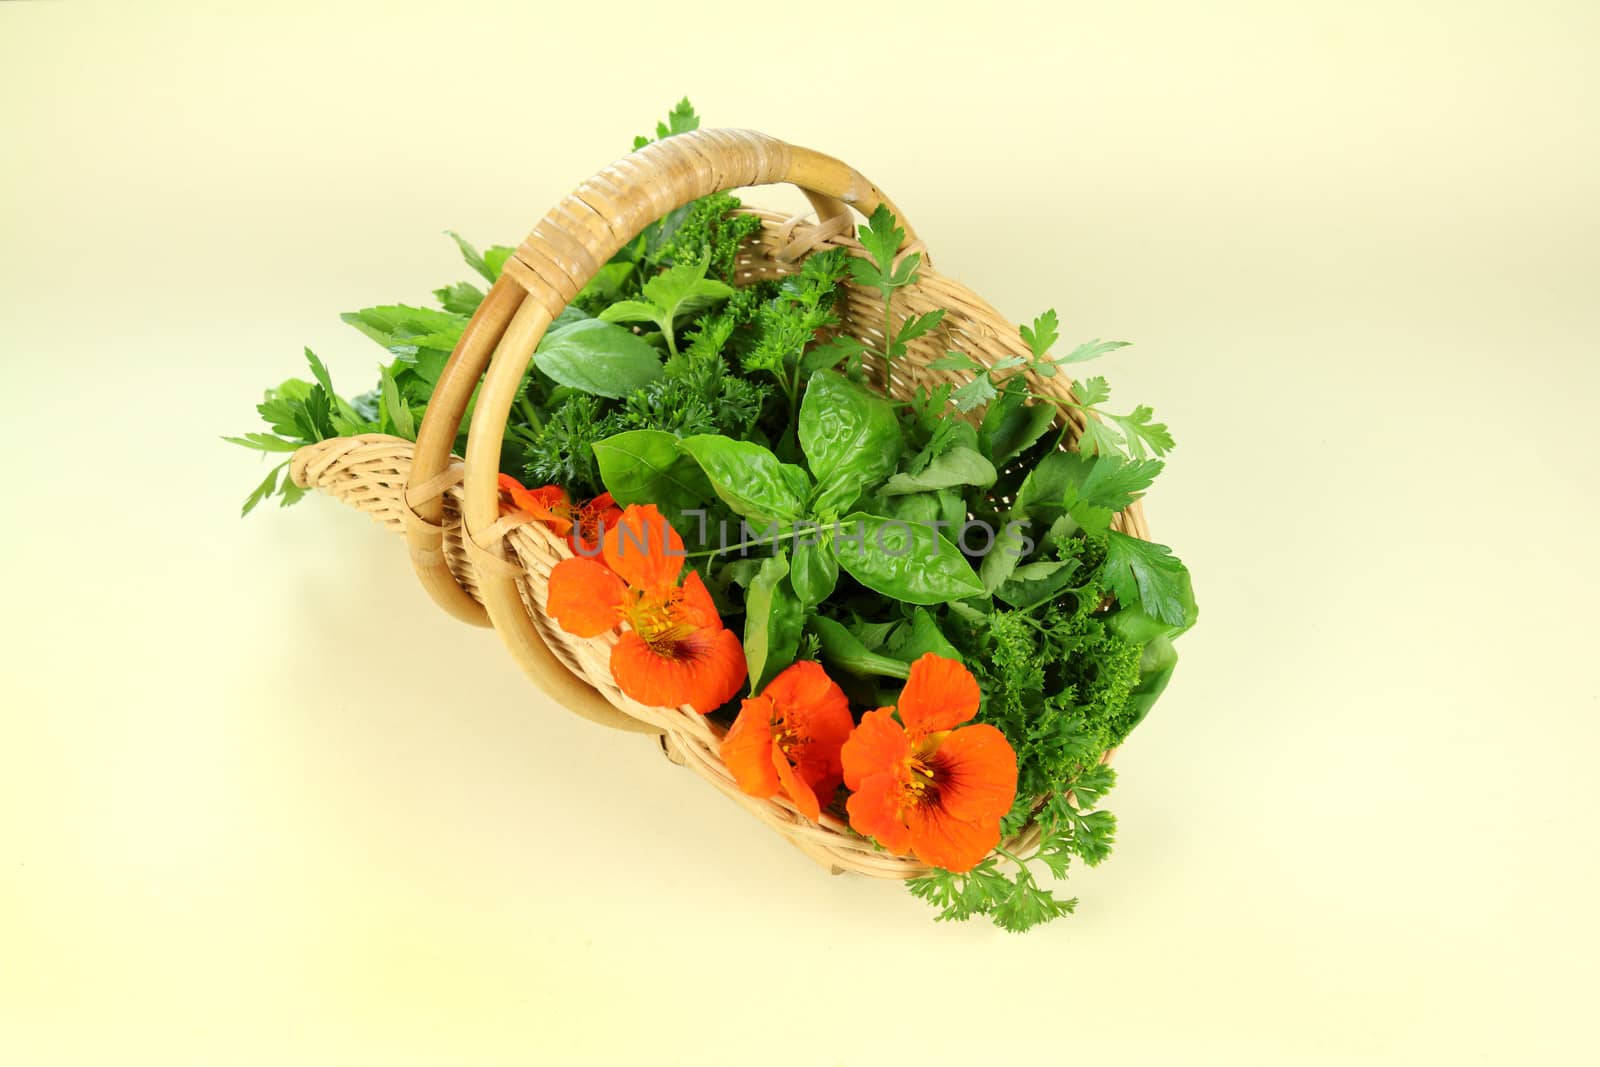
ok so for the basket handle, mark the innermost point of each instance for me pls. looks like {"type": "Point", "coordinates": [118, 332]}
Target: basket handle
{"type": "Point", "coordinates": [559, 257]}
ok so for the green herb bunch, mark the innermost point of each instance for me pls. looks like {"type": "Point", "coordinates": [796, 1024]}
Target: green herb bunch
{"type": "Point", "coordinates": [744, 408]}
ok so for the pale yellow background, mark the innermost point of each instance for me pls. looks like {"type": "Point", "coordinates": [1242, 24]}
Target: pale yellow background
{"type": "Point", "coordinates": [260, 803]}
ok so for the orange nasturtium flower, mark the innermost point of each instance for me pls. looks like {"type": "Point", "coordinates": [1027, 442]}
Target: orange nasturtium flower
{"type": "Point", "coordinates": [550, 505]}
{"type": "Point", "coordinates": [920, 784]}
{"type": "Point", "coordinates": [676, 650]}
{"type": "Point", "coordinates": [787, 739]}
{"type": "Point", "coordinates": [593, 520]}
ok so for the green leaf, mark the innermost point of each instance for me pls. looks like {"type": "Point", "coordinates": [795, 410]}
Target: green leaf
{"type": "Point", "coordinates": [1011, 545]}
{"type": "Point", "coordinates": [959, 466]}
{"type": "Point", "coordinates": [685, 289]}
{"type": "Point", "coordinates": [1043, 336]}
{"type": "Point", "coordinates": [862, 272]}
{"type": "Point", "coordinates": [470, 254]}
{"type": "Point", "coordinates": [634, 311]}
{"type": "Point", "coordinates": [953, 360]}
{"type": "Point", "coordinates": [317, 415]}
{"type": "Point", "coordinates": [851, 439]}
{"type": "Point", "coordinates": [921, 637]}
{"type": "Point", "coordinates": [1156, 664]}
{"type": "Point", "coordinates": [681, 119]}
{"type": "Point", "coordinates": [842, 650]}
{"type": "Point", "coordinates": [265, 442]}
{"type": "Point", "coordinates": [904, 561]}
{"type": "Point", "coordinates": [400, 327]}
{"type": "Point", "coordinates": [1011, 425]}
{"type": "Point", "coordinates": [460, 298]}
{"type": "Point", "coordinates": [814, 571]}
{"type": "Point", "coordinates": [1104, 481]}
{"type": "Point", "coordinates": [881, 237]}
{"type": "Point", "coordinates": [319, 371]}
{"type": "Point", "coordinates": [1149, 575]}
{"type": "Point", "coordinates": [1035, 583]}
{"type": "Point", "coordinates": [494, 260]}
{"type": "Point", "coordinates": [1099, 439]}
{"type": "Point", "coordinates": [749, 478]}
{"type": "Point", "coordinates": [918, 325]}
{"type": "Point", "coordinates": [646, 467]}
{"type": "Point", "coordinates": [1042, 495]}
{"type": "Point", "coordinates": [395, 407]}
{"type": "Point", "coordinates": [1142, 433]}
{"type": "Point", "coordinates": [831, 354]}
{"type": "Point", "coordinates": [906, 272]}
{"type": "Point", "coordinates": [680, 290]}
{"type": "Point", "coordinates": [608, 281]}
{"type": "Point", "coordinates": [1091, 391]}
{"type": "Point", "coordinates": [1089, 488]}
{"type": "Point", "coordinates": [289, 493]}
{"type": "Point", "coordinates": [599, 358]}
{"type": "Point", "coordinates": [1089, 350]}
{"type": "Point", "coordinates": [1093, 783]}
{"type": "Point", "coordinates": [1016, 904]}
{"type": "Point", "coordinates": [268, 486]}
{"type": "Point", "coordinates": [974, 394]}
{"type": "Point", "coordinates": [773, 621]}
{"type": "Point", "coordinates": [1027, 905]}
{"type": "Point", "coordinates": [1113, 483]}
{"type": "Point", "coordinates": [1139, 627]}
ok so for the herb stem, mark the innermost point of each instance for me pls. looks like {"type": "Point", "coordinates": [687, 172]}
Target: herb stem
{"type": "Point", "coordinates": [529, 412]}
{"type": "Point", "coordinates": [1013, 857]}
{"type": "Point", "coordinates": [794, 390]}
{"type": "Point", "coordinates": [742, 544]}
{"type": "Point", "coordinates": [888, 342]}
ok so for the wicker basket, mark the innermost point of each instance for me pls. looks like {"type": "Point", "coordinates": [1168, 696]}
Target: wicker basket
{"type": "Point", "coordinates": [490, 568]}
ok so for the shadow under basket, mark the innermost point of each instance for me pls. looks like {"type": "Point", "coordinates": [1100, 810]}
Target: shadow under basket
{"type": "Point", "coordinates": [491, 568]}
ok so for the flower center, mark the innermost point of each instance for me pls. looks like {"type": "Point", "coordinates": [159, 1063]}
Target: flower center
{"type": "Point", "coordinates": [919, 783]}
{"type": "Point", "coordinates": [919, 786]}
{"type": "Point", "coordinates": [658, 622]}
{"type": "Point", "coordinates": [786, 736]}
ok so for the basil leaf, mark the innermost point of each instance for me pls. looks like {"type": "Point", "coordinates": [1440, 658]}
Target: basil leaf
{"type": "Point", "coordinates": [953, 510]}
{"type": "Point", "coordinates": [923, 508]}
{"type": "Point", "coordinates": [1011, 543]}
{"type": "Point", "coordinates": [959, 466]}
{"type": "Point", "coordinates": [1043, 492]}
{"type": "Point", "coordinates": [920, 637]}
{"type": "Point", "coordinates": [814, 571]}
{"type": "Point", "coordinates": [599, 358]}
{"type": "Point", "coordinates": [749, 478]}
{"type": "Point", "coordinates": [1045, 579]}
{"type": "Point", "coordinates": [646, 467]}
{"type": "Point", "coordinates": [830, 355]}
{"type": "Point", "coordinates": [1011, 425]}
{"type": "Point", "coordinates": [633, 311]}
{"type": "Point", "coordinates": [904, 561]}
{"type": "Point", "coordinates": [608, 281]}
{"type": "Point", "coordinates": [772, 622]}
{"type": "Point", "coordinates": [1156, 664]}
{"type": "Point", "coordinates": [684, 289]}
{"type": "Point", "coordinates": [843, 651]}
{"type": "Point", "coordinates": [851, 439]}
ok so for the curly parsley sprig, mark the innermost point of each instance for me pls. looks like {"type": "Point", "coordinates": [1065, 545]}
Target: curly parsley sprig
{"type": "Point", "coordinates": [1014, 899]}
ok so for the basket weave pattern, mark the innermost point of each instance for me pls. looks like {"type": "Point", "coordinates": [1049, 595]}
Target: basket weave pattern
{"type": "Point", "coordinates": [478, 562]}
